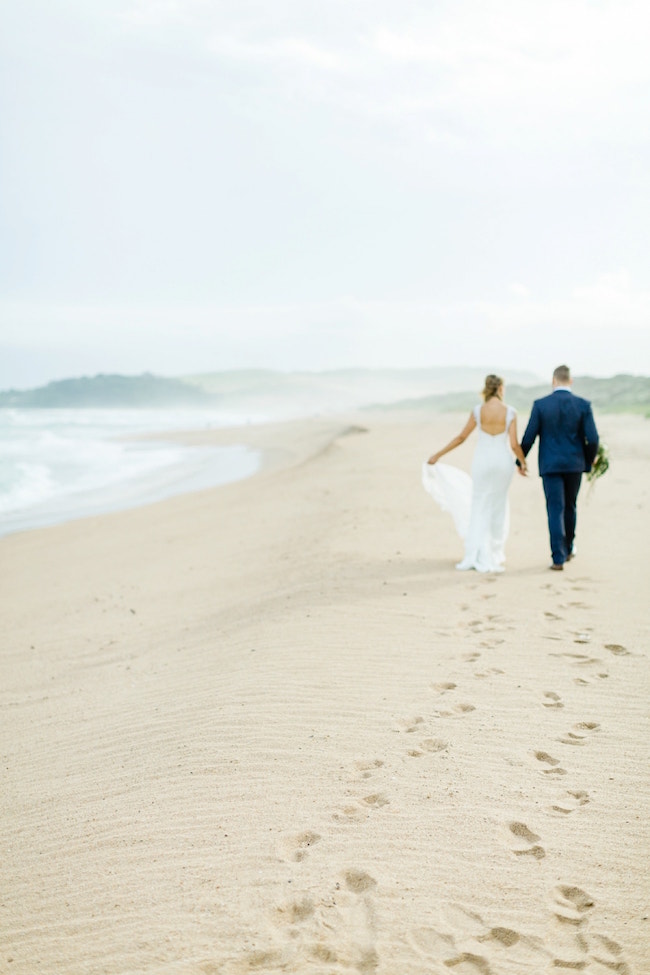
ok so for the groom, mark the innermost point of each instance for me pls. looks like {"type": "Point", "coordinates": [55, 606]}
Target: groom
{"type": "Point", "coordinates": [568, 441]}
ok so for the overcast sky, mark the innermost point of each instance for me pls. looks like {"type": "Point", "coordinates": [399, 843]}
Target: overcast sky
{"type": "Point", "coordinates": [192, 185]}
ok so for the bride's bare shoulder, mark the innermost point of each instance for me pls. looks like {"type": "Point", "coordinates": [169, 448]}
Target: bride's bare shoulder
{"type": "Point", "coordinates": [494, 408]}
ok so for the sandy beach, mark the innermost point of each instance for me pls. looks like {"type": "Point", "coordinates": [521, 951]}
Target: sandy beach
{"type": "Point", "coordinates": [269, 728]}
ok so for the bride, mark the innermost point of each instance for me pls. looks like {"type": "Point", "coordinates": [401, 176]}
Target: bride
{"type": "Point", "coordinates": [479, 505]}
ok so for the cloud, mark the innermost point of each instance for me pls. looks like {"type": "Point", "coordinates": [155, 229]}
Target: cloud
{"type": "Point", "coordinates": [157, 13]}
{"type": "Point", "coordinates": [285, 52]}
{"type": "Point", "coordinates": [519, 290]}
{"type": "Point", "coordinates": [532, 64]}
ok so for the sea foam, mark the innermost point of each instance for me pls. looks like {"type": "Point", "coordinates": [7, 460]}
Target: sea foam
{"type": "Point", "coordinates": [64, 464]}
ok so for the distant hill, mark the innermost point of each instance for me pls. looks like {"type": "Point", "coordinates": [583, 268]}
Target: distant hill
{"type": "Point", "coordinates": [108, 391]}
{"type": "Point", "coordinates": [616, 394]}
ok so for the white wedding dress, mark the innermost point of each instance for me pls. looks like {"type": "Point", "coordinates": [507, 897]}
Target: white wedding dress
{"type": "Point", "coordinates": [478, 504]}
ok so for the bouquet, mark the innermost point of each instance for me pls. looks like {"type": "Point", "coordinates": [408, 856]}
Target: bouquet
{"type": "Point", "coordinates": [600, 464]}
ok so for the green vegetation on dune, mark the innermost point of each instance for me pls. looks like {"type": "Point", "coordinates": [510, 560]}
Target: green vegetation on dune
{"type": "Point", "coordinates": [615, 394]}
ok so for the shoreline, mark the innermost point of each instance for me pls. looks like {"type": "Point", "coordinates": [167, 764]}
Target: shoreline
{"type": "Point", "coordinates": [185, 476]}
{"type": "Point", "coordinates": [267, 727]}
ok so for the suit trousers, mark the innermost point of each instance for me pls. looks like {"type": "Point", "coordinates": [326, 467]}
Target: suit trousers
{"type": "Point", "coordinates": [561, 492]}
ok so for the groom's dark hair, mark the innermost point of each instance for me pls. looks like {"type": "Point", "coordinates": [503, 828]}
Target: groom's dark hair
{"type": "Point", "coordinates": [562, 374]}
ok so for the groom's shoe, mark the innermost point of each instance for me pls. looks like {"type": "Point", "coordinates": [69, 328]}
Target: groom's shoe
{"type": "Point", "coordinates": [557, 566]}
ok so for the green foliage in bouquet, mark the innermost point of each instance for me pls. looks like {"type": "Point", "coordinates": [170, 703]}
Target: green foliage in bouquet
{"type": "Point", "coordinates": [600, 464]}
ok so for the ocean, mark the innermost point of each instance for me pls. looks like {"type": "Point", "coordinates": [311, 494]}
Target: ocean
{"type": "Point", "coordinates": [60, 464]}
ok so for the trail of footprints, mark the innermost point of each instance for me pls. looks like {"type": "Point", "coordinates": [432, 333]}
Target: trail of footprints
{"type": "Point", "coordinates": [466, 943]}
{"type": "Point", "coordinates": [575, 947]}
{"type": "Point", "coordinates": [569, 801]}
{"type": "Point", "coordinates": [340, 927]}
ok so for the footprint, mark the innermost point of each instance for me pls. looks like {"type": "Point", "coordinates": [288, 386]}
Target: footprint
{"type": "Point", "coordinates": [580, 734]}
{"type": "Point", "coordinates": [350, 814]}
{"type": "Point", "coordinates": [366, 768]}
{"type": "Point", "coordinates": [465, 944]}
{"type": "Point", "coordinates": [356, 812]}
{"type": "Point", "coordinates": [320, 952]}
{"type": "Point", "coordinates": [553, 616]}
{"type": "Point", "coordinates": [524, 833]}
{"type": "Point", "coordinates": [520, 829]}
{"type": "Point", "coordinates": [458, 711]}
{"type": "Point", "coordinates": [617, 649]}
{"type": "Point", "coordinates": [549, 760]}
{"type": "Point", "coordinates": [607, 953]}
{"type": "Point", "coordinates": [553, 700]}
{"type": "Point", "coordinates": [294, 911]}
{"type": "Point", "coordinates": [575, 801]}
{"type": "Point", "coordinates": [434, 745]}
{"type": "Point", "coordinates": [491, 671]}
{"type": "Point", "coordinates": [470, 962]}
{"type": "Point", "coordinates": [504, 936]}
{"type": "Point", "coordinates": [579, 659]}
{"type": "Point", "coordinates": [297, 846]}
{"type": "Point", "coordinates": [546, 758]}
{"type": "Point", "coordinates": [376, 801]}
{"type": "Point", "coordinates": [470, 658]}
{"type": "Point", "coordinates": [575, 947]}
{"type": "Point", "coordinates": [443, 687]}
{"type": "Point", "coordinates": [570, 952]}
{"type": "Point", "coordinates": [358, 881]}
{"type": "Point", "coordinates": [263, 959]}
{"type": "Point", "coordinates": [571, 904]}
{"type": "Point", "coordinates": [409, 725]}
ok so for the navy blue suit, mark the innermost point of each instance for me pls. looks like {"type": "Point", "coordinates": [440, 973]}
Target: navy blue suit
{"type": "Point", "coordinates": [568, 441]}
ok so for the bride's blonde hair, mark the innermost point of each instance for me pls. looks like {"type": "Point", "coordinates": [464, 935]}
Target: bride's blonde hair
{"type": "Point", "coordinates": [491, 388]}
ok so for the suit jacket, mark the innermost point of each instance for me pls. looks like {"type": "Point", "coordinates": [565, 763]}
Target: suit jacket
{"type": "Point", "coordinates": [568, 439]}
